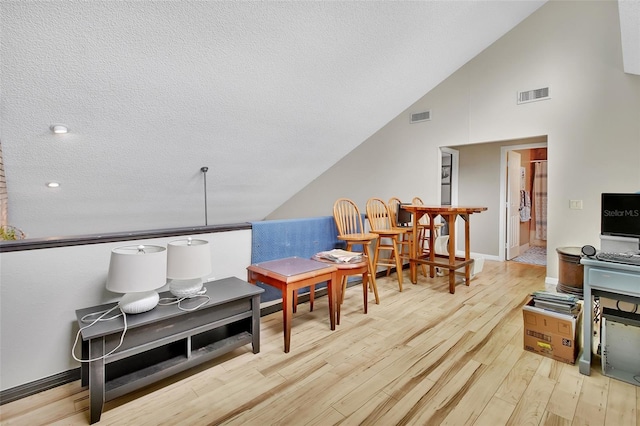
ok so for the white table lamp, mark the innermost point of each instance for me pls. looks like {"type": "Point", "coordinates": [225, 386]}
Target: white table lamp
{"type": "Point", "coordinates": [137, 271]}
{"type": "Point", "coordinates": [188, 261]}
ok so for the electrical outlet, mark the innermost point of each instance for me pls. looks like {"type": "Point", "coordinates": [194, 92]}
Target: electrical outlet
{"type": "Point", "coordinates": [575, 204]}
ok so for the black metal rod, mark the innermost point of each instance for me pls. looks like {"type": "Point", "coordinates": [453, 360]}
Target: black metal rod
{"type": "Point", "coordinates": [205, 170]}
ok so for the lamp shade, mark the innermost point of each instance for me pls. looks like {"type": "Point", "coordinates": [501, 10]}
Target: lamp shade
{"type": "Point", "coordinates": [188, 259]}
{"type": "Point", "coordinates": [135, 269]}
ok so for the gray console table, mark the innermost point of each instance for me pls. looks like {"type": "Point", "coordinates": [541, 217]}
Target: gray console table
{"type": "Point", "coordinates": [167, 340]}
{"type": "Point", "coordinates": [606, 279]}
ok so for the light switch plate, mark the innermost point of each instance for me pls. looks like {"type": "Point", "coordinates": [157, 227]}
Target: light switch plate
{"type": "Point", "coordinates": [575, 204]}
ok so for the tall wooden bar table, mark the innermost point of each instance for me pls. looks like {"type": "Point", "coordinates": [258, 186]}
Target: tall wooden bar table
{"type": "Point", "coordinates": [291, 274]}
{"type": "Point", "coordinates": [450, 262]}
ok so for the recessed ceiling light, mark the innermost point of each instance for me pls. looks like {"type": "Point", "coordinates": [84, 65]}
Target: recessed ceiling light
{"type": "Point", "coordinates": [53, 184]}
{"type": "Point", "coordinates": [59, 128]}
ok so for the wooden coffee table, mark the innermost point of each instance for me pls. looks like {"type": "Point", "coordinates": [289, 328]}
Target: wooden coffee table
{"type": "Point", "coordinates": [291, 274]}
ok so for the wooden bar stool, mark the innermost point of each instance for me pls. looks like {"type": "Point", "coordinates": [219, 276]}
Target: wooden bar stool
{"type": "Point", "coordinates": [379, 219]}
{"type": "Point", "coordinates": [423, 226]}
{"type": "Point", "coordinates": [350, 230]}
{"type": "Point", "coordinates": [404, 220]}
{"type": "Point", "coordinates": [404, 224]}
{"type": "Point", "coordinates": [344, 270]}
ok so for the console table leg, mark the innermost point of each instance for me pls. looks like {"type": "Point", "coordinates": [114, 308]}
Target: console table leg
{"type": "Point", "coordinates": [96, 378]}
{"type": "Point", "coordinates": [84, 367]}
{"type": "Point", "coordinates": [255, 323]}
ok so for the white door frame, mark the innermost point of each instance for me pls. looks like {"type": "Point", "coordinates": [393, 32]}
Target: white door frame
{"type": "Point", "coordinates": [455, 165]}
{"type": "Point", "coordinates": [502, 236]}
{"type": "Point", "coordinates": [514, 184]}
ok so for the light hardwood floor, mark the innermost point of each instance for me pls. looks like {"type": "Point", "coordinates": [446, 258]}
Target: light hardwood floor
{"type": "Point", "coordinates": [421, 357]}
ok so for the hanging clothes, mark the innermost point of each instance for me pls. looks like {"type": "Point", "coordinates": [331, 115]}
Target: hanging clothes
{"type": "Point", "coordinates": [525, 206]}
{"type": "Point", "coordinates": [540, 199]}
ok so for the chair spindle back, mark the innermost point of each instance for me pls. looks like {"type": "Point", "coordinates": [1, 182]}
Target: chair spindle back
{"type": "Point", "coordinates": [347, 216]}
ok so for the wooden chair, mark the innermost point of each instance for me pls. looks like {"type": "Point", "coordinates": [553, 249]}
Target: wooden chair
{"type": "Point", "coordinates": [423, 228]}
{"type": "Point", "coordinates": [404, 239]}
{"type": "Point", "coordinates": [350, 230]}
{"type": "Point", "coordinates": [379, 219]}
{"type": "Point", "coordinates": [407, 224]}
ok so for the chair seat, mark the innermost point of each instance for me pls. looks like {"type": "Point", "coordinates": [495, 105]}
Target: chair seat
{"type": "Point", "coordinates": [352, 238]}
{"type": "Point", "coordinates": [391, 232]}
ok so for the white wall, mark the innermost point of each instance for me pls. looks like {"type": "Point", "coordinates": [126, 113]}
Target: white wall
{"type": "Point", "coordinates": [42, 289]}
{"type": "Point", "coordinates": [592, 124]}
{"type": "Point", "coordinates": [593, 128]}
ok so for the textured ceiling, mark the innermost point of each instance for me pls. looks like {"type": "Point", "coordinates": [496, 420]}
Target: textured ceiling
{"type": "Point", "coordinates": [267, 95]}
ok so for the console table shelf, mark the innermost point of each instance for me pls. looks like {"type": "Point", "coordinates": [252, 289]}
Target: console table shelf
{"type": "Point", "coordinates": [166, 340]}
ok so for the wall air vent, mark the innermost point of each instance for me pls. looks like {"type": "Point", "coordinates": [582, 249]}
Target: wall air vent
{"type": "Point", "coordinates": [533, 95]}
{"type": "Point", "coordinates": [417, 117]}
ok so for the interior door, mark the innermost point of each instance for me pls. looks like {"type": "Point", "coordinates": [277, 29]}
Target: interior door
{"type": "Point", "coordinates": [513, 204]}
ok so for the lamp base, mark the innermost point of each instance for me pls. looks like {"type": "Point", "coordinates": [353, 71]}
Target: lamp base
{"type": "Point", "coordinates": [137, 303]}
{"type": "Point", "coordinates": [185, 288]}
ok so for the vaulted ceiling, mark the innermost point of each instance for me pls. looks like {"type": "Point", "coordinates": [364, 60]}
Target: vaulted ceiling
{"type": "Point", "coordinates": [267, 95]}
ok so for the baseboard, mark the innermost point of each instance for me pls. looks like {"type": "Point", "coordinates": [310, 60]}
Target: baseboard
{"type": "Point", "coordinates": [38, 386]}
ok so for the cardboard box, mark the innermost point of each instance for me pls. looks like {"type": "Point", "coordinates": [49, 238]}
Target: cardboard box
{"type": "Point", "coordinates": [551, 334]}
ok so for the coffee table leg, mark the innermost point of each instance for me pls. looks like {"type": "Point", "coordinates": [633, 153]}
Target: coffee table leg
{"type": "Point", "coordinates": [333, 283]}
{"type": "Point", "coordinates": [365, 284]}
{"type": "Point", "coordinates": [287, 307]}
{"type": "Point", "coordinates": [339, 296]}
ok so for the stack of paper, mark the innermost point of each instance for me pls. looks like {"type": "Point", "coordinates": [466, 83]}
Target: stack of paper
{"type": "Point", "coordinates": [557, 302]}
{"type": "Point", "coordinates": [340, 256]}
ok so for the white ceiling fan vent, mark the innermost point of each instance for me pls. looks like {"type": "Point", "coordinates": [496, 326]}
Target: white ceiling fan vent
{"type": "Point", "coordinates": [417, 117]}
{"type": "Point", "coordinates": [533, 95]}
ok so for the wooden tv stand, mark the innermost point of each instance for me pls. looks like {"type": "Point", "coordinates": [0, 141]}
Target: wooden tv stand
{"type": "Point", "coordinates": [166, 340]}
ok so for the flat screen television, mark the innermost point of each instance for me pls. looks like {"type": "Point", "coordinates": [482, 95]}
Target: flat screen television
{"type": "Point", "coordinates": [620, 215]}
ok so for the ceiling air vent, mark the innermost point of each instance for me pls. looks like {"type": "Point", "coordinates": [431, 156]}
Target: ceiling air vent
{"type": "Point", "coordinates": [417, 117]}
{"type": "Point", "coordinates": [533, 95]}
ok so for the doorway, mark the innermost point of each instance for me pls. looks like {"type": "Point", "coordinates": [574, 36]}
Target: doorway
{"type": "Point", "coordinates": [479, 177]}
{"type": "Point", "coordinates": [526, 223]}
